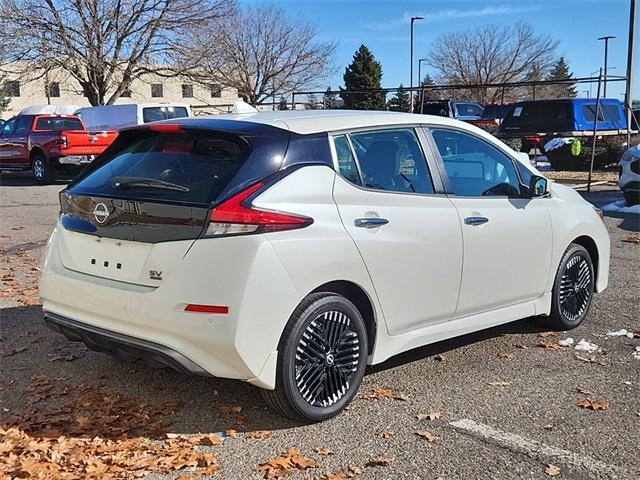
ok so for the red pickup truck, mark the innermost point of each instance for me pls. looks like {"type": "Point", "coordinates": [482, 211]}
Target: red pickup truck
{"type": "Point", "coordinates": [47, 144]}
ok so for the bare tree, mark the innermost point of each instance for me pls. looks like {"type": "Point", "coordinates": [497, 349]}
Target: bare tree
{"type": "Point", "coordinates": [260, 51]}
{"type": "Point", "coordinates": [490, 54]}
{"type": "Point", "coordinates": [103, 44]}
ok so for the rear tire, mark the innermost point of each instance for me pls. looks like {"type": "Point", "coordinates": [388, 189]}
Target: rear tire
{"type": "Point", "coordinates": [573, 289]}
{"type": "Point", "coordinates": [322, 357]}
{"type": "Point", "coordinates": [41, 170]}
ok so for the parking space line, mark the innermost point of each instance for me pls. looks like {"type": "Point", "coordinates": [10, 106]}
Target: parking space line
{"type": "Point", "coordinates": [535, 449]}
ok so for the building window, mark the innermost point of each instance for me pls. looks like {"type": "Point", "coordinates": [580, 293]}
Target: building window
{"type": "Point", "coordinates": [53, 90]}
{"type": "Point", "coordinates": [187, 90]}
{"type": "Point", "coordinates": [216, 91]}
{"type": "Point", "coordinates": [157, 90]}
{"type": "Point", "coordinates": [126, 93]}
{"type": "Point", "coordinates": [12, 88]}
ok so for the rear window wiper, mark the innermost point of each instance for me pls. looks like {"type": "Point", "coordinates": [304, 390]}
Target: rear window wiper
{"type": "Point", "coordinates": [128, 182]}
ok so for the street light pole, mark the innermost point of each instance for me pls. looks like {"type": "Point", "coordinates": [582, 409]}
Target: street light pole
{"type": "Point", "coordinates": [606, 57]}
{"type": "Point", "coordinates": [413, 19]}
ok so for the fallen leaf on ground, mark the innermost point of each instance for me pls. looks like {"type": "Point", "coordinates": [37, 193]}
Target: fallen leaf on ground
{"type": "Point", "coordinates": [498, 383]}
{"type": "Point", "coordinates": [552, 470]}
{"type": "Point", "coordinates": [259, 434]}
{"type": "Point", "coordinates": [591, 405]}
{"type": "Point", "coordinates": [635, 238]}
{"type": "Point", "coordinates": [547, 334]}
{"type": "Point", "coordinates": [323, 451]}
{"type": "Point", "coordinates": [230, 432]}
{"type": "Point", "coordinates": [440, 358]}
{"type": "Point", "coordinates": [379, 461]}
{"type": "Point", "coordinates": [338, 475]}
{"type": "Point", "coordinates": [505, 354]}
{"type": "Point", "coordinates": [385, 434]}
{"type": "Point", "coordinates": [379, 393]}
{"type": "Point", "coordinates": [520, 345]}
{"type": "Point", "coordinates": [284, 464]}
{"type": "Point", "coordinates": [428, 416]}
{"type": "Point", "coordinates": [427, 435]}
{"type": "Point", "coordinates": [10, 353]}
{"type": "Point", "coordinates": [355, 470]}
{"type": "Point", "coordinates": [548, 346]}
{"type": "Point", "coordinates": [583, 391]}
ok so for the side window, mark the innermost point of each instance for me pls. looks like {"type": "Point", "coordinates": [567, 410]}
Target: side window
{"type": "Point", "coordinates": [392, 160]}
{"type": "Point", "coordinates": [346, 161]}
{"type": "Point", "coordinates": [7, 128]}
{"type": "Point", "coordinates": [474, 109]}
{"type": "Point", "coordinates": [474, 167]}
{"type": "Point", "coordinates": [23, 125]}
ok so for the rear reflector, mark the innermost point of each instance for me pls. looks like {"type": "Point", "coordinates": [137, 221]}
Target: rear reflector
{"type": "Point", "coordinates": [206, 309]}
{"type": "Point", "coordinates": [166, 128]}
{"type": "Point", "coordinates": [236, 216]}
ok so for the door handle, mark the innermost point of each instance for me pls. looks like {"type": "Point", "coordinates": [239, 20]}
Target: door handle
{"type": "Point", "coordinates": [475, 220]}
{"type": "Point", "coordinates": [370, 222]}
{"type": "Point", "coordinates": [22, 139]}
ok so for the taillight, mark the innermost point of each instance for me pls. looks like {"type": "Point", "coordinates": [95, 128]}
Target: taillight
{"type": "Point", "coordinates": [62, 142]}
{"type": "Point", "coordinates": [535, 139]}
{"type": "Point", "coordinates": [236, 216]}
{"type": "Point", "coordinates": [166, 128]}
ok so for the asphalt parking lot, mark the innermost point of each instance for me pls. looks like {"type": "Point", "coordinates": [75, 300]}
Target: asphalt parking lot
{"type": "Point", "coordinates": [499, 404]}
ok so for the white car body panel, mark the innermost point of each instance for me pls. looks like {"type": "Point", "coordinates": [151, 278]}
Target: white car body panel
{"type": "Point", "coordinates": [427, 275]}
{"type": "Point", "coordinates": [422, 237]}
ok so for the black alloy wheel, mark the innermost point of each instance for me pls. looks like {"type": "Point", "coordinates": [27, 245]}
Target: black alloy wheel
{"type": "Point", "coordinates": [322, 357]}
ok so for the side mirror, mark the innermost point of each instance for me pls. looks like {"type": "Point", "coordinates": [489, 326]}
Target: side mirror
{"type": "Point", "coordinates": [537, 186]}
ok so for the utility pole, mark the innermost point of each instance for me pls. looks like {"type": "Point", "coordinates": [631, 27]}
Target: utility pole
{"type": "Point", "coordinates": [413, 19]}
{"type": "Point", "coordinates": [606, 58]}
{"type": "Point", "coordinates": [630, 52]}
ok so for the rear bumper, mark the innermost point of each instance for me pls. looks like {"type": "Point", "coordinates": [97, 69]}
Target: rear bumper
{"type": "Point", "coordinates": [121, 346]}
{"type": "Point", "coordinates": [76, 160]}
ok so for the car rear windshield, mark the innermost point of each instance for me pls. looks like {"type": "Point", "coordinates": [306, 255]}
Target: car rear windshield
{"type": "Point", "coordinates": [186, 168]}
{"type": "Point", "coordinates": [539, 117]}
{"type": "Point", "coordinates": [58, 123]}
{"type": "Point", "coordinates": [436, 108]}
{"type": "Point", "coordinates": [154, 114]}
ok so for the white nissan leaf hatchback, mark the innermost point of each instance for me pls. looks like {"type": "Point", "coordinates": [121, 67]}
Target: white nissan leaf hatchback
{"type": "Point", "coordinates": [292, 249]}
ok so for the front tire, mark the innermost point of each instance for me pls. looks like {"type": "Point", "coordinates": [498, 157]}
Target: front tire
{"type": "Point", "coordinates": [322, 357]}
{"type": "Point", "coordinates": [573, 289]}
{"type": "Point", "coordinates": [41, 170]}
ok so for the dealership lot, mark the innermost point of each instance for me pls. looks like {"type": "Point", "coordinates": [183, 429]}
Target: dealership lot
{"type": "Point", "coordinates": [504, 402]}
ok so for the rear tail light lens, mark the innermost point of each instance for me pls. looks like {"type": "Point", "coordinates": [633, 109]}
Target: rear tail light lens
{"type": "Point", "coordinates": [236, 216]}
{"type": "Point", "coordinates": [62, 141]}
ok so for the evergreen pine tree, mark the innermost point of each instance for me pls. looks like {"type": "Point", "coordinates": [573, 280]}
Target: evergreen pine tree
{"type": "Point", "coordinates": [400, 101]}
{"type": "Point", "coordinates": [560, 71]}
{"type": "Point", "coordinates": [364, 73]}
{"type": "Point", "coordinates": [329, 100]}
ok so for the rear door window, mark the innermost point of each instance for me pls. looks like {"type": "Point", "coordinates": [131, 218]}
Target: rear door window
{"type": "Point", "coordinates": [186, 168]}
{"type": "Point", "coordinates": [392, 160]}
{"type": "Point", "coordinates": [346, 161]}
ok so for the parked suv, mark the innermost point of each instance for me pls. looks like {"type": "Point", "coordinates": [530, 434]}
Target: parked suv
{"type": "Point", "coordinates": [292, 249]}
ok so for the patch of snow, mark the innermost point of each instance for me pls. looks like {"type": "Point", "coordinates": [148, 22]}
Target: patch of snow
{"type": "Point", "coordinates": [567, 342]}
{"type": "Point", "coordinates": [636, 353]}
{"type": "Point", "coordinates": [620, 333]}
{"type": "Point", "coordinates": [621, 207]}
{"type": "Point", "coordinates": [557, 143]}
{"type": "Point", "coordinates": [585, 346]}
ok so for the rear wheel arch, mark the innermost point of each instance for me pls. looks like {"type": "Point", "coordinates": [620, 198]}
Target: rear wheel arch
{"type": "Point", "coordinates": [362, 301]}
{"type": "Point", "coordinates": [37, 151]}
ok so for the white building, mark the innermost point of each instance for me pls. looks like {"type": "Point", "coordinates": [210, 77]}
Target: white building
{"type": "Point", "coordinates": [25, 91]}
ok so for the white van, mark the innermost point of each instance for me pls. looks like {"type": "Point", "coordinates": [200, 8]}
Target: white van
{"type": "Point", "coordinates": [115, 117]}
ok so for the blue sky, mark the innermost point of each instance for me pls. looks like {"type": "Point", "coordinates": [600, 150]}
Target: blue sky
{"type": "Point", "coordinates": [384, 27]}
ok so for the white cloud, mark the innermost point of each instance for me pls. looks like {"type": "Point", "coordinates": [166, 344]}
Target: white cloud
{"type": "Point", "coordinates": [449, 14]}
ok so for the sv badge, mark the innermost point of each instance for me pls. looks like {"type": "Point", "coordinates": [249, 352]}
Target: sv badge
{"type": "Point", "coordinates": [155, 275]}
